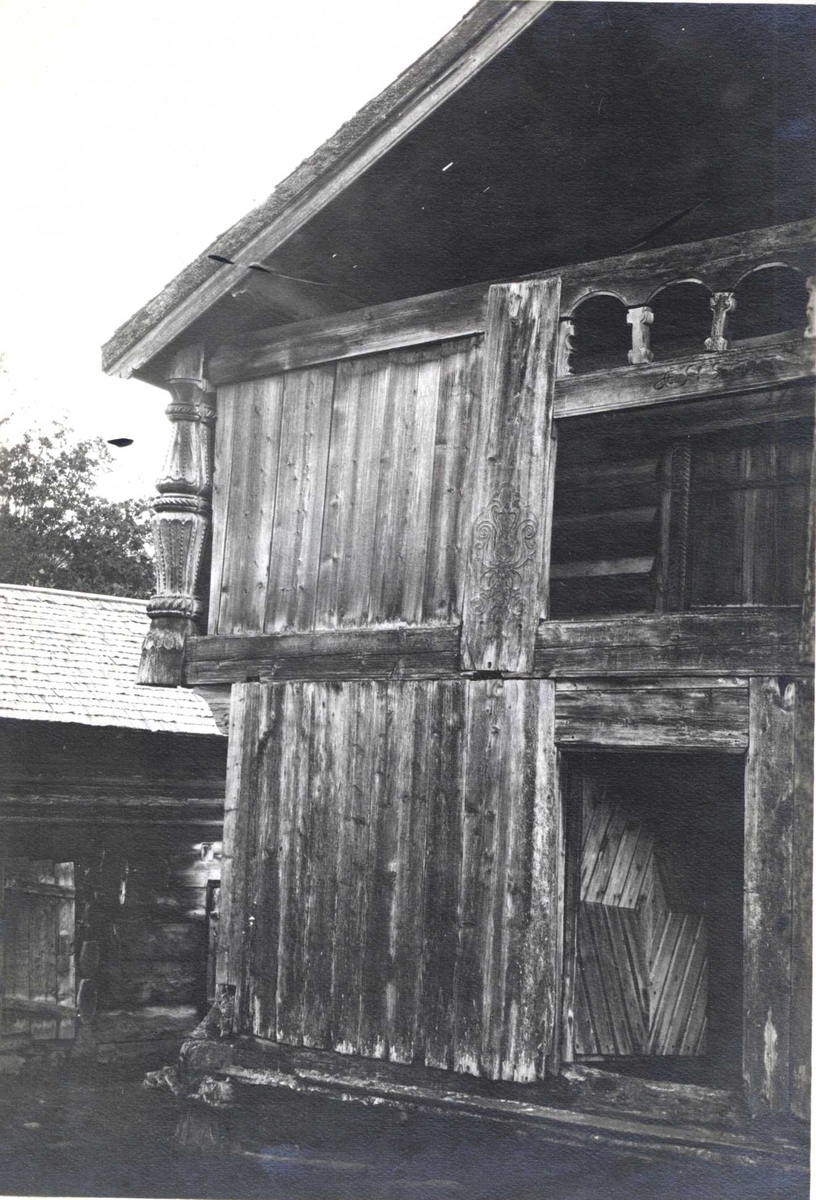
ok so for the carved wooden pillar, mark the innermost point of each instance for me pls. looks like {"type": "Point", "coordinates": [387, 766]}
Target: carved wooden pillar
{"type": "Point", "coordinates": [506, 584]}
{"type": "Point", "coordinates": [810, 328]}
{"type": "Point", "coordinates": [566, 332]}
{"type": "Point", "coordinates": [181, 522]}
{"type": "Point", "coordinates": [640, 319]}
{"type": "Point", "coordinates": [722, 303]}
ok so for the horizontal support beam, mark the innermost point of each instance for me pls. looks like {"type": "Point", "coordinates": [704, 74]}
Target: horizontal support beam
{"type": "Point", "coordinates": [728, 642]}
{"type": "Point", "coordinates": [741, 370]}
{"type": "Point", "coordinates": [735, 641]}
{"type": "Point", "coordinates": [405, 653]}
{"type": "Point", "coordinates": [703, 717]}
{"type": "Point", "coordinates": [418, 321]}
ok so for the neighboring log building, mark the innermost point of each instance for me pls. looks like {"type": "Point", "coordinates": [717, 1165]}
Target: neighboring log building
{"type": "Point", "coordinates": [111, 803]}
{"type": "Point", "coordinates": [509, 593]}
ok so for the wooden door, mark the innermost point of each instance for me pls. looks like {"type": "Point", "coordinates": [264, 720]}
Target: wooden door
{"type": "Point", "coordinates": [641, 971]}
{"type": "Point", "coordinates": [38, 973]}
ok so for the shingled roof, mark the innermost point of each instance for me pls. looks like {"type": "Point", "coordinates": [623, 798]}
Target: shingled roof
{"type": "Point", "coordinates": [73, 657]}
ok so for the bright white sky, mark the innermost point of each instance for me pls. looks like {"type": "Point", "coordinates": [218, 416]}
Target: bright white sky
{"type": "Point", "coordinates": [135, 131]}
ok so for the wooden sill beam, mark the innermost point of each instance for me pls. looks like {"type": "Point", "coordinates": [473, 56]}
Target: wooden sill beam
{"type": "Point", "coordinates": [739, 641]}
{"type": "Point", "coordinates": [264, 1067]}
{"type": "Point", "coordinates": [736, 641]}
{"type": "Point", "coordinates": [737, 370]}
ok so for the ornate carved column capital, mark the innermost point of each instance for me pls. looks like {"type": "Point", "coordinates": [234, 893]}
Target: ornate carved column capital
{"type": "Point", "coordinates": [640, 318]}
{"type": "Point", "coordinates": [722, 303]}
{"type": "Point", "coordinates": [181, 521]}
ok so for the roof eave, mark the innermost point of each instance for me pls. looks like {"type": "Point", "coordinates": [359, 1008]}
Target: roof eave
{"type": "Point", "coordinates": [473, 42]}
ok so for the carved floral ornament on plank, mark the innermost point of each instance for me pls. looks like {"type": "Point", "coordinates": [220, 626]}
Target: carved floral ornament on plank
{"type": "Point", "coordinates": [504, 544]}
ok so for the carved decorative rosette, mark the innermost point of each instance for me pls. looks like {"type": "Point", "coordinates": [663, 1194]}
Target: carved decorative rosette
{"type": "Point", "coordinates": [504, 543]}
{"type": "Point", "coordinates": [181, 523]}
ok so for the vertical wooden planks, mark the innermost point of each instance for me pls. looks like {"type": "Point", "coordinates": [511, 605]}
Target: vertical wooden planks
{"type": "Point", "coordinates": [459, 390]}
{"type": "Point", "coordinates": [301, 487]}
{"type": "Point", "coordinates": [257, 411]}
{"type": "Point", "coordinates": [769, 799]}
{"type": "Point", "coordinates": [406, 925]}
{"type": "Point", "coordinates": [509, 910]}
{"type": "Point", "coordinates": [392, 865]}
{"type": "Point", "coordinates": [222, 478]}
{"type": "Point", "coordinates": [292, 788]}
{"type": "Point", "coordinates": [402, 495]}
{"type": "Point", "coordinates": [802, 902]}
{"type": "Point", "coordinates": [362, 792]}
{"type": "Point", "coordinates": [443, 869]}
{"type": "Point", "coordinates": [264, 848]}
{"type": "Point", "coordinates": [240, 807]}
{"type": "Point", "coordinates": [347, 548]}
{"type": "Point", "coordinates": [510, 482]}
{"type": "Point", "coordinates": [533, 905]}
{"type": "Point", "coordinates": [482, 769]}
{"type": "Point", "coordinates": [331, 726]}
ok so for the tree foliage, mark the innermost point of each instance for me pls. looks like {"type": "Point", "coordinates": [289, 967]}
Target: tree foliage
{"type": "Point", "coordinates": [55, 531]}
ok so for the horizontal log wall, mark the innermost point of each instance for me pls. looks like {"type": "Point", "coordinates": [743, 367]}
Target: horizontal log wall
{"type": "Point", "coordinates": [399, 845]}
{"type": "Point", "coordinates": [139, 935]}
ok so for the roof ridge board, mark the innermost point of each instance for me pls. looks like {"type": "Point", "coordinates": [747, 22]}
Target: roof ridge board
{"type": "Point", "coordinates": [427, 72]}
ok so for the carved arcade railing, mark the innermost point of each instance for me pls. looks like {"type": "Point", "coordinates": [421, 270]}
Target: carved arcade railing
{"type": "Point", "coordinates": [638, 281]}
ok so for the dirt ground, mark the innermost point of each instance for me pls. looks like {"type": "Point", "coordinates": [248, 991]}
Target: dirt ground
{"type": "Point", "coordinates": [99, 1132]}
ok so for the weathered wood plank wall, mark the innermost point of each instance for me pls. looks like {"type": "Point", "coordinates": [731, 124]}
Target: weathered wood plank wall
{"type": "Point", "coordinates": [778, 861]}
{"type": "Point", "coordinates": [401, 841]}
{"type": "Point", "coordinates": [314, 466]}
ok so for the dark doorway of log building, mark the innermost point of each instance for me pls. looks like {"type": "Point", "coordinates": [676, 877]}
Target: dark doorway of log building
{"type": "Point", "coordinates": [653, 934]}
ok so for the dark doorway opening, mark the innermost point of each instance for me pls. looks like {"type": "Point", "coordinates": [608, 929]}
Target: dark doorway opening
{"type": "Point", "coordinates": [653, 936]}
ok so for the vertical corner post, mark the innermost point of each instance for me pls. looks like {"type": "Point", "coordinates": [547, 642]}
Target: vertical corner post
{"type": "Point", "coordinates": [511, 472]}
{"type": "Point", "coordinates": [722, 303]}
{"type": "Point", "coordinates": [770, 891]}
{"type": "Point", "coordinates": [181, 521]}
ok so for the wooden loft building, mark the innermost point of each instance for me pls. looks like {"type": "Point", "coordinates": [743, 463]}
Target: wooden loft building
{"type": "Point", "coordinates": [507, 585]}
{"type": "Point", "coordinates": [111, 807]}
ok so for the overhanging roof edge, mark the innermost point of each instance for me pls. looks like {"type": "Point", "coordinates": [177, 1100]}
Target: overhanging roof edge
{"type": "Point", "coordinates": [473, 42]}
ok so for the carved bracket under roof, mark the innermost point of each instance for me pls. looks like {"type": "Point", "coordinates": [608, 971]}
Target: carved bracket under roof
{"type": "Point", "coordinates": [181, 522]}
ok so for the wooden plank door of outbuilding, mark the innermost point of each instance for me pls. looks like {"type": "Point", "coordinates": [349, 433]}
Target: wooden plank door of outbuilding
{"type": "Point", "coordinates": [391, 870]}
{"type": "Point", "coordinates": [641, 940]}
{"type": "Point", "coordinates": [38, 962]}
